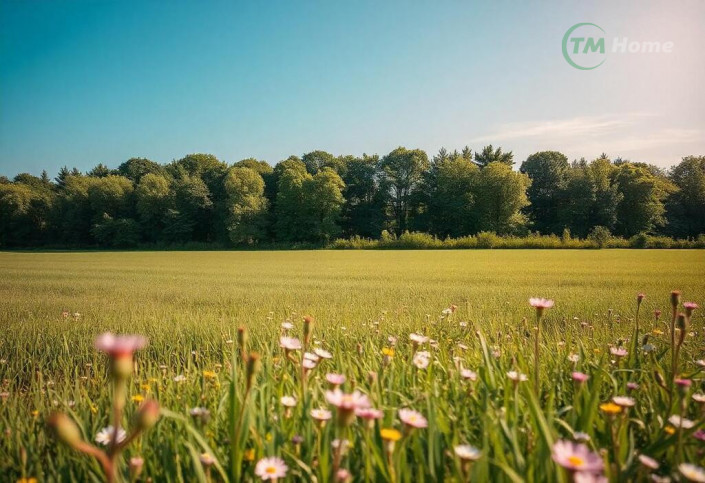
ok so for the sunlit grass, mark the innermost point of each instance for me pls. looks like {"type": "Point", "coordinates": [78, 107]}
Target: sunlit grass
{"type": "Point", "coordinates": [191, 304]}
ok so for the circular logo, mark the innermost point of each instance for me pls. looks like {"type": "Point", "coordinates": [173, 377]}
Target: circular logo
{"type": "Point", "coordinates": [584, 46]}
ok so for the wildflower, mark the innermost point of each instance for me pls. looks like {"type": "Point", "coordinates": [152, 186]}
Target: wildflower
{"type": "Point", "coordinates": [689, 307]}
{"type": "Point", "coordinates": [418, 338]}
{"type": "Point", "coordinates": [412, 418]}
{"type": "Point", "coordinates": [290, 343]}
{"type": "Point", "coordinates": [287, 325]}
{"type": "Point", "coordinates": [321, 414]}
{"type": "Point", "coordinates": [579, 377]}
{"type": "Point", "coordinates": [649, 462]}
{"type": "Point", "coordinates": [369, 413]}
{"type": "Point", "coordinates": [120, 349]}
{"type": "Point", "coordinates": [288, 401]}
{"type": "Point", "coordinates": [468, 374]}
{"type": "Point", "coordinates": [699, 435]}
{"type": "Point", "coordinates": [390, 434]}
{"type": "Point", "coordinates": [309, 356]}
{"type": "Point", "coordinates": [117, 346]}
{"type": "Point", "coordinates": [201, 415]}
{"type": "Point", "coordinates": [388, 352]}
{"type": "Point", "coordinates": [249, 454]}
{"type": "Point", "coordinates": [180, 378]}
{"type": "Point", "coordinates": [105, 436]}
{"type": "Point", "coordinates": [657, 314]}
{"type": "Point", "coordinates": [392, 340]}
{"type": "Point", "coordinates": [640, 297]}
{"type": "Point", "coordinates": [322, 353]}
{"type": "Point", "coordinates": [210, 375]}
{"type": "Point", "coordinates": [342, 476]}
{"type": "Point", "coordinates": [467, 452]}
{"type": "Point", "coordinates": [271, 468]}
{"type": "Point", "coordinates": [576, 457]}
{"type": "Point", "coordinates": [610, 408]}
{"type": "Point", "coordinates": [335, 380]}
{"type": "Point", "coordinates": [137, 398]}
{"type": "Point", "coordinates": [618, 351]}
{"type": "Point", "coordinates": [147, 415]}
{"type": "Point", "coordinates": [346, 404]}
{"type": "Point", "coordinates": [582, 437]}
{"type": "Point", "coordinates": [64, 428]}
{"type": "Point", "coordinates": [632, 386]}
{"type": "Point", "coordinates": [422, 359]}
{"type": "Point", "coordinates": [206, 459]}
{"type": "Point", "coordinates": [680, 422]}
{"type": "Point", "coordinates": [699, 398]}
{"type": "Point", "coordinates": [573, 358]}
{"type": "Point", "coordinates": [657, 332]}
{"type": "Point", "coordinates": [585, 477]}
{"type": "Point", "coordinates": [692, 472]}
{"type": "Point", "coordinates": [517, 376]}
{"type": "Point", "coordinates": [540, 304]}
{"type": "Point", "coordinates": [684, 383]}
{"type": "Point", "coordinates": [624, 401]}
{"type": "Point", "coordinates": [308, 364]}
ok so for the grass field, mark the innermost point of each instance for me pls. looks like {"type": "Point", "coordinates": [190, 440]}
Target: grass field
{"type": "Point", "coordinates": [190, 304]}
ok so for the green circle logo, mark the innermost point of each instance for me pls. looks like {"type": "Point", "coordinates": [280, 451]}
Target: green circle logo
{"type": "Point", "coordinates": [584, 46]}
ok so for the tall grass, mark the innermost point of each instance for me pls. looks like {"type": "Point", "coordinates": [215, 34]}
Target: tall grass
{"type": "Point", "coordinates": [190, 306]}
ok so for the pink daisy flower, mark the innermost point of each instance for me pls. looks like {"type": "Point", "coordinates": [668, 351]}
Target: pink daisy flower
{"type": "Point", "coordinates": [576, 457]}
{"type": "Point", "coordinates": [119, 345]}
{"type": "Point", "coordinates": [271, 468]}
{"type": "Point", "coordinates": [412, 418]}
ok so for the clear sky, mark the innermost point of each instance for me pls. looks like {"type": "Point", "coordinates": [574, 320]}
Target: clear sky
{"type": "Point", "coordinates": [85, 82]}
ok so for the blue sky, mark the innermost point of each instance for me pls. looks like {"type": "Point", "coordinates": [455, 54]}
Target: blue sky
{"type": "Point", "coordinates": [85, 82]}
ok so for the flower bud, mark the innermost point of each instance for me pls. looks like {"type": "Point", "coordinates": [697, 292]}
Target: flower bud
{"type": "Point", "coordinates": [147, 415]}
{"type": "Point", "coordinates": [640, 298]}
{"type": "Point", "coordinates": [308, 323]}
{"type": "Point", "coordinates": [242, 340]}
{"type": "Point", "coordinates": [253, 367]}
{"type": "Point", "coordinates": [65, 429]}
{"type": "Point", "coordinates": [682, 323]}
{"type": "Point", "coordinates": [121, 367]}
{"type": "Point", "coordinates": [136, 464]}
{"type": "Point", "coordinates": [675, 298]}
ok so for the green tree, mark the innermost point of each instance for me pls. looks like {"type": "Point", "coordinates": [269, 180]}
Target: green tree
{"type": "Point", "coordinates": [246, 205]}
{"type": "Point", "coordinates": [135, 168]}
{"type": "Point", "coordinates": [686, 206]}
{"type": "Point", "coordinates": [188, 220]}
{"type": "Point", "coordinates": [365, 200]}
{"type": "Point", "coordinates": [317, 160]}
{"type": "Point", "coordinates": [451, 195]}
{"type": "Point", "coordinates": [324, 197]}
{"type": "Point", "coordinates": [24, 214]}
{"type": "Point", "coordinates": [154, 199]}
{"type": "Point", "coordinates": [490, 155]}
{"type": "Point", "coordinates": [548, 171]}
{"type": "Point", "coordinates": [641, 208]}
{"type": "Point", "coordinates": [402, 174]}
{"type": "Point", "coordinates": [500, 194]}
{"type": "Point", "coordinates": [100, 171]}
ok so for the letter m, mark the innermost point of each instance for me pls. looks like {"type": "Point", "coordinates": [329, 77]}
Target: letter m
{"type": "Point", "coordinates": [591, 45]}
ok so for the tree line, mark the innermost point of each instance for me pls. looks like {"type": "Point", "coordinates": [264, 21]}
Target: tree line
{"type": "Point", "coordinates": [319, 197]}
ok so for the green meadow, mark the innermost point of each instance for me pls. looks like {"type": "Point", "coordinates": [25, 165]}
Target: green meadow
{"type": "Point", "coordinates": [365, 304]}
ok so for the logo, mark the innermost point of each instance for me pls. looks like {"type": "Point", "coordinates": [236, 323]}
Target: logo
{"type": "Point", "coordinates": [584, 46]}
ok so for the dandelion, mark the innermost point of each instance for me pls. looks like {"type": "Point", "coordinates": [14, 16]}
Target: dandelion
{"type": "Point", "coordinates": [137, 398]}
{"type": "Point", "coordinates": [576, 457]}
{"type": "Point", "coordinates": [692, 472]}
{"type": "Point", "coordinates": [210, 375]}
{"type": "Point", "coordinates": [271, 468]}
{"type": "Point", "coordinates": [105, 436]}
{"type": "Point", "coordinates": [389, 436]}
{"type": "Point", "coordinates": [610, 408]}
{"type": "Point", "coordinates": [412, 418]}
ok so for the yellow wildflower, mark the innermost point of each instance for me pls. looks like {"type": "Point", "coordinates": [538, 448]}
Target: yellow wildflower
{"type": "Point", "coordinates": [250, 455]}
{"type": "Point", "coordinates": [390, 434]}
{"type": "Point", "coordinates": [388, 351]}
{"type": "Point", "coordinates": [610, 408]}
{"type": "Point", "coordinates": [35, 413]}
{"type": "Point", "coordinates": [209, 375]}
{"type": "Point", "coordinates": [145, 387]}
{"type": "Point", "coordinates": [657, 332]}
{"type": "Point", "coordinates": [27, 480]}
{"type": "Point", "coordinates": [137, 398]}
{"type": "Point", "coordinates": [670, 429]}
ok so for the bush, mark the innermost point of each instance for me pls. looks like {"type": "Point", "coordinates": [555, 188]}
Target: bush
{"type": "Point", "coordinates": [601, 235]}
